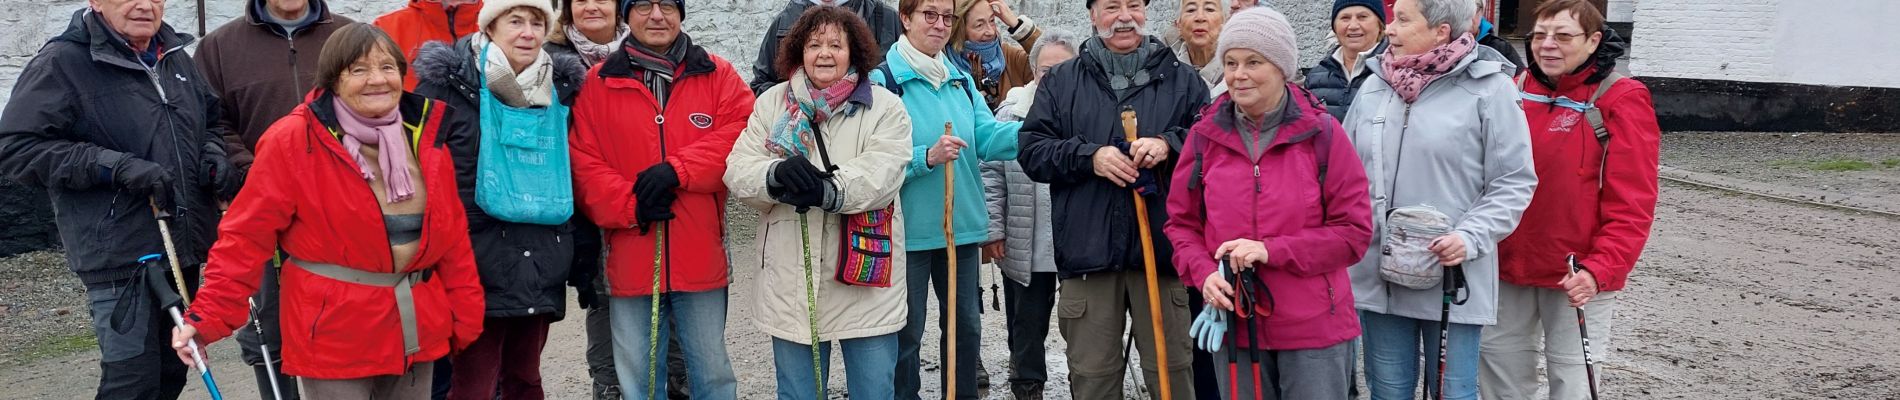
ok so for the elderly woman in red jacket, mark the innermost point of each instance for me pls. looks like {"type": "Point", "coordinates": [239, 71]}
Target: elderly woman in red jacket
{"type": "Point", "coordinates": [357, 190]}
{"type": "Point", "coordinates": [1595, 142]}
{"type": "Point", "coordinates": [1292, 210]}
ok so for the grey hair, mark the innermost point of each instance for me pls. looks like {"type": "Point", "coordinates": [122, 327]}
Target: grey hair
{"type": "Point", "coordinates": [1055, 37]}
{"type": "Point", "coordinates": [1456, 13]}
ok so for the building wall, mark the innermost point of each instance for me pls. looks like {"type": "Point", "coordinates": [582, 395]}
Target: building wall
{"type": "Point", "coordinates": [1834, 42]}
{"type": "Point", "coordinates": [730, 28]}
{"type": "Point", "coordinates": [1621, 11]}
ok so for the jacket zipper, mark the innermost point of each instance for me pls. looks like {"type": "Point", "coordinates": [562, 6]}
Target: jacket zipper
{"type": "Point", "coordinates": [296, 78]}
{"type": "Point", "coordinates": [666, 246]}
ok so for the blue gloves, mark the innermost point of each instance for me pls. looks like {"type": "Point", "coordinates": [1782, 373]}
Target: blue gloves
{"type": "Point", "coordinates": [1209, 329]}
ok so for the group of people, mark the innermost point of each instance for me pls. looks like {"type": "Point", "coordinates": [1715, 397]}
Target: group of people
{"type": "Point", "coordinates": [398, 208]}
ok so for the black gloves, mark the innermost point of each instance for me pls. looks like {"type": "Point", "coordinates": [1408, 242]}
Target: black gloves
{"type": "Point", "coordinates": [223, 179]}
{"type": "Point", "coordinates": [796, 174]}
{"type": "Point", "coordinates": [653, 194]}
{"type": "Point", "coordinates": [141, 177]}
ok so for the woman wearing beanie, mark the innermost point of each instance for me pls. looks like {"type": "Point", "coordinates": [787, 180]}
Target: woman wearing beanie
{"type": "Point", "coordinates": [1195, 33]}
{"type": "Point", "coordinates": [1298, 235]}
{"type": "Point", "coordinates": [998, 65]}
{"type": "Point", "coordinates": [1438, 127]}
{"type": "Point", "coordinates": [500, 80]}
{"type": "Point", "coordinates": [1359, 25]}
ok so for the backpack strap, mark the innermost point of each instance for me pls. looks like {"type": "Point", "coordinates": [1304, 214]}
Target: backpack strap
{"type": "Point", "coordinates": [890, 80]}
{"type": "Point", "coordinates": [1595, 115]}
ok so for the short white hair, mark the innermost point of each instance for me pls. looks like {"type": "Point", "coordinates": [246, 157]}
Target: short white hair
{"type": "Point", "coordinates": [1456, 13]}
{"type": "Point", "coordinates": [1055, 37]}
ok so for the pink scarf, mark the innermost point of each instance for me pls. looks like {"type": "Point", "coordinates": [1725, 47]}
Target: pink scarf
{"type": "Point", "coordinates": [1410, 74]}
{"type": "Point", "coordinates": [392, 160]}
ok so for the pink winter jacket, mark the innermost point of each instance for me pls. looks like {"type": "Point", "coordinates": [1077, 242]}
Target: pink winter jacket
{"type": "Point", "coordinates": [1313, 229]}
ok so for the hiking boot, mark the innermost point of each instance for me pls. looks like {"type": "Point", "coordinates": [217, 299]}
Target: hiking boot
{"type": "Point", "coordinates": [1026, 390]}
{"type": "Point", "coordinates": [607, 392]}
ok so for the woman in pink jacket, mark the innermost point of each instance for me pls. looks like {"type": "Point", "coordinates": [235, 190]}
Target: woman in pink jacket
{"type": "Point", "coordinates": [1291, 209]}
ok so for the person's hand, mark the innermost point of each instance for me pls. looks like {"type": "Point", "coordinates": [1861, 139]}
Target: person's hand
{"type": "Point", "coordinates": [1007, 14]}
{"type": "Point", "coordinates": [796, 174]}
{"type": "Point", "coordinates": [804, 200]}
{"type": "Point", "coordinates": [1148, 152]}
{"type": "Point", "coordinates": [948, 148]}
{"type": "Point", "coordinates": [992, 251]}
{"type": "Point", "coordinates": [646, 213]}
{"type": "Point", "coordinates": [181, 339]}
{"type": "Point", "coordinates": [1112, 164]}
{"type": "Point", "coordinates": [222, 178]}
{"type": "Point", "coordinates": [1217, 293]}
{"type": "Point", "coordinates": [1243, 253]}
{"type": "Point", "coordinates": [656, 184]}
{"type": "Point", "coordinates": [1450, 249]}
{"type": "Point", "coordinates": [1581, 286]}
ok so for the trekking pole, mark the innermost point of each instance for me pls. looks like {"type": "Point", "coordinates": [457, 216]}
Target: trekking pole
{"type": "Point", "coordinates": [1583, 331]}
{"type": "Point", "coordinates": [171, 251]}
{"type": "Point", "coordinates": [1451, 282]}
{"type": "Point", "coordinates": [171, 302]}
{"type": "Point", "coordinates": [1249, 279]}
{"type": "Point", "coordinates": [1148, 261]}
{"type": "Point", "coordinates": [1233, 335]}
{"type": "Point", "coordinates": [263, 347]}
{"type": "Point", "coordinates": [950, 247]}
{"type": "Point", "coordinates": [653, 317]}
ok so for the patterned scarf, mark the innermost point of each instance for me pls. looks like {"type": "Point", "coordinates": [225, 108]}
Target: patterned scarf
{"type": "Point", "coordinates": [392, 160]}
{"type": "Point", "coordinates": [805, 107]}
{"type": "Point", "coordinates": [591, 52]}
{"type": "Point", "coordinates": [1410, 74]}
{"type": "Point", "coordinates": [658, 69]}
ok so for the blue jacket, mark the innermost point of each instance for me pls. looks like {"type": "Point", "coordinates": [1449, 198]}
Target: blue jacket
{"type": "Point", "coordinates": [957, 103]}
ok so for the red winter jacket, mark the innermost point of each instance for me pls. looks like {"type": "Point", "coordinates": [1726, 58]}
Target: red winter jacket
{"type": "Point", "coordinates": [1311, 237]}
{"type": "Point", "coordinates": [307, 196]}
{"type": "Point", "coordinates": [619, 131]}
{"type": "Point", "coordinates": [424, 21]}
{"type": "Point", "coordinates": [1605, 227]}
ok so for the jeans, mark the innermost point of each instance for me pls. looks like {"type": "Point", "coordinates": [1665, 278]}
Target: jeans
{"type": "Point", "coordinates": [1026, 310]}
{"type": "Point", "coordinates": [1393, 348]}
{"type": "Point", "coordinates": [933, 264]}
{"type": "Point", "coordinates": [135, 355]}
{"type": "Point", "coordinates": [1536, 324]}
{"type": "Point", "coordinates": [699, 319]}
{"type": "Point", "coordinates": [869, 365]}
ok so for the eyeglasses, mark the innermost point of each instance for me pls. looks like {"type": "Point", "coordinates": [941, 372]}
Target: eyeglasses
{"type": "Point", "coordinates": [668, 8]}
{"type": "Point", "coordinates": [932, 17]}
{"type": "Point", "coordinates": [1538, 37]}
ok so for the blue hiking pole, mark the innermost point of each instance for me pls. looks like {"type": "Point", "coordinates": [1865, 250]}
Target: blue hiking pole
{"type": "Point", "coordinates": [165, 298]}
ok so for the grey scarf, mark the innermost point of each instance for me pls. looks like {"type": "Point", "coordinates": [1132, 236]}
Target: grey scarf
{"type": "Point", "coordinates": [1125, 72]}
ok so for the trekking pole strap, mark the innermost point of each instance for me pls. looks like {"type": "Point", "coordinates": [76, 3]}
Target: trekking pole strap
{"type": "Point", "coordinates": [401, 282]}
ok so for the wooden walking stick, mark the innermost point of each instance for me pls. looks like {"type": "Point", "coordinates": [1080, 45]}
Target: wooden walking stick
{"type": "Point", "coordinates": [1148, 262]}
{"type": "Point", "coordinates": [950, 247]}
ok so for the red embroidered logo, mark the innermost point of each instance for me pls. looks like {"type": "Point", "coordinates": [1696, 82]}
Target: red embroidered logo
{"type": "Point", "coordinates": [700, 120]}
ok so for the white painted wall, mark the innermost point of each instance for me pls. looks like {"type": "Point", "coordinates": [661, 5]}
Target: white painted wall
{"type": "Point", "coordinates": [1621, 11]}
{"type": "Point", "coordinates": [1819, 42]}
{"type": "Point", "coordinates": [729, 28]}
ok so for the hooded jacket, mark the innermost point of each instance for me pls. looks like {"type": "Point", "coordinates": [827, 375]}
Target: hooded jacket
{"type": "Point", "coordinates": [523, 266]}
{"type": "Point", "coordinates": [1075, 113]}
{"type": "Point", "coordinates": [956, 103]}
{"type": "Point", "coordinates": [1606, 226]}
{"type": "Point", "coordinates": [882, 19]}
{"type": "Point", "coordinates": [85, 104]}
{"type": "Point", "coordinates": [424, 21]}
{"type": "Point", "coordinates": [260, 72]}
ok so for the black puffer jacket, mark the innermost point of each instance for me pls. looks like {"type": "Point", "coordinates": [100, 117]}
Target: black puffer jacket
{"type": "Point", "coordinates": [1612, 47]}
{"type": "Point", "coordinates": [84, 104]}
{"type": "Point", "coordinates": [1328, 80]}
{"type": "Point", "coordinates": [882, 19]}
{"type": "Point", "coordinates": [523, 266]}
{"type": "Point", "coordinates": [1076, 113]}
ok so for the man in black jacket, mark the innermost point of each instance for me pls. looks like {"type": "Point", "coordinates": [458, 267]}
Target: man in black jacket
{"type": "Point", "coordinates": [113, 119]}
{"type": "Point", "coordinates": [1072, 139]}
{"type": "Point", "coordinates": [882, 19]}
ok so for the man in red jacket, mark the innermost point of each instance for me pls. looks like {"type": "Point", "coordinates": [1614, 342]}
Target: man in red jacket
{"type": "Point", "coordinates": [1595, 199]}
{"type": "Point", "coordinates": [651, 133]}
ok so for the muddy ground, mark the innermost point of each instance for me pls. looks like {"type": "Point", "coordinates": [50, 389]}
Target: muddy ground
{"type": "Point", "coordinates": [1736, 297]}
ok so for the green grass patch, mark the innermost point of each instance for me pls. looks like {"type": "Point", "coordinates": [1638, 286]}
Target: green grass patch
{"type": "Point", "coordinates": [1842, 165]}
{"type": "Point", "coordinates": [56, 347]}
{"type": "Point", "coordinates": [1890, 163]}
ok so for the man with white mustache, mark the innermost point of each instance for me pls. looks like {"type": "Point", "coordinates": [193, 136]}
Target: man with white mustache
{"type": "Point", "coordinates": [1072, 139]}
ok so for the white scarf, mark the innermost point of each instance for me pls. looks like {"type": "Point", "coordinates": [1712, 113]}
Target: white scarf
{"type": "Point", "coordinates": [934, 70]}
{"type": "Point", "coordinates": [592, 53]}
{"type": "Point", "coordinates": [532, 87]}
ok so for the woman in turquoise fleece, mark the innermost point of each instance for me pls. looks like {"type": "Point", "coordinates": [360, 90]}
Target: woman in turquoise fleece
{"type": "Point", "coordinates": [935, 92]}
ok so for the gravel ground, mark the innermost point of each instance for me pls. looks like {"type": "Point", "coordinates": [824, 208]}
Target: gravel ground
{"type": "Point", "coordinates": [1826, 162]}
{"type": "Point", "coordinates": [43, 309]}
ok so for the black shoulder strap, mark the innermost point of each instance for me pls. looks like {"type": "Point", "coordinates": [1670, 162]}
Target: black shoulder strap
{"type": "Point", "coordinates": [890, 80]}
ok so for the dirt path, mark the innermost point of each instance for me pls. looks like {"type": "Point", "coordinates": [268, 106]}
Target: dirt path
{"type": "Point", "coordinates": [1737, 297]}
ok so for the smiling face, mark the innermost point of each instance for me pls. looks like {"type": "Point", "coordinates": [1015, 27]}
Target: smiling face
{"type": "Point", "coordinates": [827, 56]}
{"type": "Point", "coordinates": [980, 24]}
{"type": "Point", "coordinates": [655, 24]}
{"type": "Point", "coordinates": [1254, 82]}
{"type": "Point", "coordinates": [519, 34]}
{"type": "Point", "coordinates": [372, 85]}
{"type": "Point", "coordinates": [594, 18]}
{"type": "Point", "coordinates": [1119, 23]}
{"type": "Point", "coordinates": [1410, 33]}
{"type": "Point", "coordinates": [1050, 57]}
{"type": "Point", "coordinates": [1357, 28]}
{"type": "Point", "coordinates": [137, 20]}
{"type": "Point", "coordinates": [1200, 22]}
{"type": "Point", "coordinates": [1559, 44]}
{"type": "Point", "coordinates": [929, 26]}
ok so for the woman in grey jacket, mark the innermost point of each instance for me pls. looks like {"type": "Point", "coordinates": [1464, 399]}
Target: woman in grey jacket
{"type": "Point", "coordinates": [1437, 125]}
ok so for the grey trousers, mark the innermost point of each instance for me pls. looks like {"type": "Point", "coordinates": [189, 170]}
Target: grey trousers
{"type": "Point", "coordinates": [1094, 309]}
{"type": "Point", "coordinates": [1538, 324]}
{"type": "Point", "coordinates": [1287, 374]}
{"type": "Point", "coordinates": [414, 385]}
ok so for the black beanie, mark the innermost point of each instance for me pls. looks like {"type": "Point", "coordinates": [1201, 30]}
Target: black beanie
{"type": "Point", "coordinates": [1378, 10]}
{"type": "Point", "coordinates": [627, 4]}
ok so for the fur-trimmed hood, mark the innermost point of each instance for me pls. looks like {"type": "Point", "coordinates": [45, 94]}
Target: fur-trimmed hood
{"type": "Point", "coordinates": [440, 63]}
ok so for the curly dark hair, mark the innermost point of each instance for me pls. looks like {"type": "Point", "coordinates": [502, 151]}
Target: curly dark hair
{"type": "Point", "coordinates": [865, 53]}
